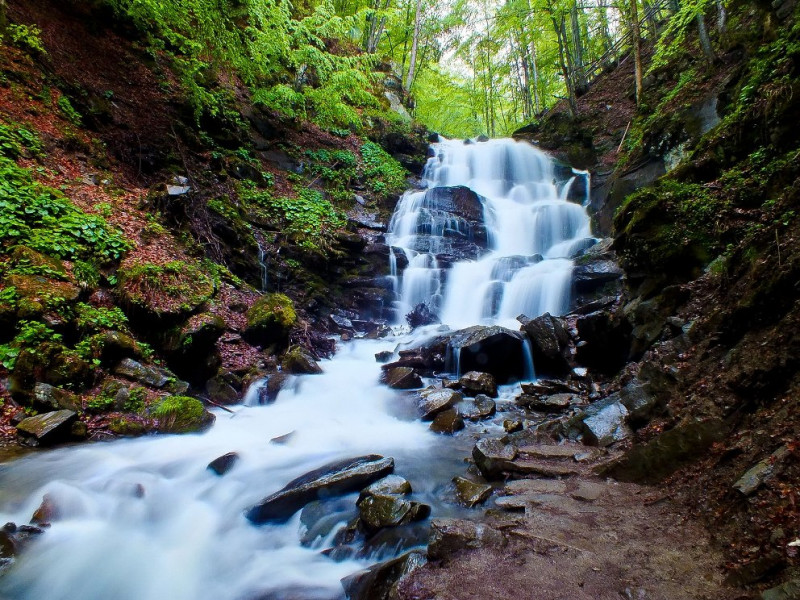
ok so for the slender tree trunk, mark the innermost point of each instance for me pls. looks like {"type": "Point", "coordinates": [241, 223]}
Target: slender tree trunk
{"type": "Point", "coordinates": [705, 41]}
{"type": "Point", "coordinates": [577, 50]}
{"type": "Point", "coordinates": [636, 38]}
{"type": "Point", "coordinates": [537, 93]}
{"type": "Point", "coordinates": [412, 65]}
{"type": "Point", "coordinates": [573, 109]}
{"type": "Point", "coordinates": [722, 17]}
{"type": "Point", "coordinates": [650, 19]}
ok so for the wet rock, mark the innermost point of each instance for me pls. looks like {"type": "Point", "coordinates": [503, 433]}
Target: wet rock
{"type": "Point", "coordinates": [319, 518]}
{"type": "Point", "coordinates": [495, 350]}
{"type": "Point", "coordinates": [434, 402]}
{"type": "Point", "coordinates": [549, 404]}
{"type": "Point", "coordinates": [478, 408]}
{"type": "Point", "coordinates": [380, 581]}
{"type": "Point", "coordinates": [384, 356]}
{"type": "Point", "coordinates": [298, 360]}
{"type": "Point", "coordinates": [79, 431]}
{"type": "Point", "coordinates": [48, 397]}
{"type": "Point", "coordinates": [604, 341]}
{"type": "Point", "coordinates": [139, 373]}
{"type": "Point", "coordinates": [221, 392]}
{"type": "Point", "coordinates": [475, 382]}
{"type": "Point", "coordinates": [115, 346]}
{"type": "Point", "coordinates": [512, 425]}
{"type": "Point", "coordinates": [341, 323]}
{"type": "Point", "coordinates": [652, 462]}
{"type": "Point", "coordinates": [471, 493]}
{"type": "Point", "coordinates": [591, 276]}
{"type": "Point", "coordinates": [549, 343]}
{"type": "Point", "coordinates": [224, 463]}
{"type": "Point", "coordinates": [493, 457]}
{"type": "Point", "coordinates": [282, 439]}
{"type": "Point", "coordinates": [271, 387]}
{"type": "Point", "coordinates": [755, 476]}
{"type": "Point", "coordinates": [421, 315]}
{"type": "Point", "coordinates": [336, 478]}
{"type": "Point", "coordinates": [46, 512]}
{"type": "Point", "coordinates": [270, 319]}
{"type": "Point", "coordinates": [547, 387]}
{"type": "Point", "coordinates": [789, 590]}
{"type": "Point", "coordinates": [377, 511]}
{"type": "Point", "coordinates": [606, 424]}
{"type": "Point", "coordinates": [378, 332]}
{"type": "Point", "coordinates": [402, 378]}
{"type": "Point", "coordinates": [47, 428]}
{"type": "Point", "coordinates": [642, 405]}
{"type": "Point", "coordinates": [447, 422]}
{"type": "Point", "coordinates": [448, 536]}
{"type": "Point", "coordinates": [391, 484]}
{"type": "Point", "coordinates": [181, 414]}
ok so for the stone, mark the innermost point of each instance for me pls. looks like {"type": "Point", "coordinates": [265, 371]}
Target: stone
{"type": "Point", "coordinates": [478, 408]}
{"type": "Point", "coordinates": [402, 378]}
{"type": "Point", "coordinates": [421, 315]}
{"type": "Point", "coordinates": [607, 425]}
{"type": "Point", "coordinates": [641, 404]}
{"type": "Point", "coordinates": [448, 536]}
{"type": "Point", "coordinates": [588, 491]}
{"type": "Point", "coordinates": [221, 392]}
{"type": "Point", "coordinates": [789, 590]}
{"type": "Point", "coordinates": [493, 457]}
{"type": "Point", "coordinates": [391, 484]}
{"type": "Point", "coordinates": [605, 341]}
{"type": "Point", "coordinates": [548, 387]}
{"type": "Point", "coordinates": [48, 428]}
{"type": "Point", "coordinates": [471, 493]}
{"type": "Point", "coordinates": [447, 422]}
{"type": "Point", "coordinates": [434, 402]}
{"type": "Point", "coordinates": [181, 414]}
{"type": "Point", "coordinates": [48, 397]}
{"type": "Point", "coordinates": [493, 349]}
{"type": "Point", "coordinates": [534, 486]}
{"type": "Point", "coordinates": [335, 478]}
{"type": "Point", "coordinates": [270, 387]}
{"type": "Point", "coordinates": [549, 343]}
{"type": "Point", "coordinates": [114, 346]}
{"type": "Point", "coordinates": [299, 361]}
{"type": "Point", "coordinates": [384, 356]}
{"type": "Point", "coordinates": [380, 581]}
{"type": "Point", "coordinates": [270, 319]}
{"type": "Point", "coordinates": [755, 476]}
{"type": "Point", "coordinates": [139, 373]}
{"type": "Point", "coordinates": [549, 404]}
{"type": "Point", "coordinates": [377, 511]}
{"type": "Point", "coordinates": [224, 463]}
{"type": "Point", "coordinates": [650, 463]}
{"type": "Point", "coordinates": [549, 451]}
{"type": "Point", "coordinates": [593, 275]}
{"type": "Point", "coordinates": [475, 382]}
{"type": "Point", "coordinates": [542, 468]}
{"type": "Point", "coordinates": [512, 425]}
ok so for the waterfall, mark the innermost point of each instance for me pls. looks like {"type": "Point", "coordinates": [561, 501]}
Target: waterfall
{"type": "Point", "coordinates": [511, 257]}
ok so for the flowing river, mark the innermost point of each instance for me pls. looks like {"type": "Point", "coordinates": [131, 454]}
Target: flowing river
{"type": "Point", "coordinates": [144, 519]}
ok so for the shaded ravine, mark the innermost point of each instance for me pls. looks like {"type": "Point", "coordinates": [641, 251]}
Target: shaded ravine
{"type": "Point", "coordinates": [145, 519]}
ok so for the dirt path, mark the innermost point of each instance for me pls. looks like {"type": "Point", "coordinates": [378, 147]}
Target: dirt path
{"type": "Point", "coordinates": [573, 537]}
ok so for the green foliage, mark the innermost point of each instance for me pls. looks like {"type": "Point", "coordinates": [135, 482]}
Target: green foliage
{"type": "Point", "coordinates": [86, 274]}
{"type": "Point", "coordinates": [30, 334]}
{"type": "Point", "coordinates": [15, 140]}
{"type": "Point", "coordinates": [94, 318]}
{"type": "Point", "coordinates": [674, 41]}
{"type": "Point", "coordinates": [171, 288]}
{"type": "Point", "coordinates": [383, 173]}
{"type": "Point", "coordinates": [308, 219]}
{"type": "Point", "coordinates": [69, 112]}
{"type": "Point", "coordinates": [26, 37]}
{"type": "Point", "coordinates": [43, 219]}
{"type": "Point", "coordinates": [180, 414]}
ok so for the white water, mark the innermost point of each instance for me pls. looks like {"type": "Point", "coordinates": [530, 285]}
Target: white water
{"type": "Point", "coordinates": [186, 537]}
{"type": "Point", "coordinates": [533, 232]}
{"type": "Point", "coordinates": [146, 520]}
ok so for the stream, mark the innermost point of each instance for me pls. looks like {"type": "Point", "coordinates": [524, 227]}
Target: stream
{"type": "Point", "coordinates": [145, 519]}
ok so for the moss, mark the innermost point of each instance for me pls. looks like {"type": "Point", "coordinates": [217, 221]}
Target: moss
{"type": "Point", "coordinates": [270, 319]}
{"type": "Point", "coordinates": [181, 414]}
{"type": "Point", "coordinates": [172, 289]}
{"type": "Point", "coordinates": [123, 426]}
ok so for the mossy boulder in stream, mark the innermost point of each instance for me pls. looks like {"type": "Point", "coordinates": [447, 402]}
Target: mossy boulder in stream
{"type": "Point", "coordinates": [270, 319]}
{"type": "Point", "coordinates": [182, 414]}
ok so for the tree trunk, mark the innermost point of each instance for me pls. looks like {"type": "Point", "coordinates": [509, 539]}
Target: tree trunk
{"type": "Point", "coordinates": [3, 17]}
{"type": "Point", "coordinates": [412, 65]}
{"type": "Point", "coordinates": [705, 41]}
{"type": "Point", "coordinates": [722, 17]}
{"type": "Point", "coordinates": [537, 98]}
{"type": "Point", "coordinates": [636, 38]}
{"type": "Point", "coordinates": [577, 51]}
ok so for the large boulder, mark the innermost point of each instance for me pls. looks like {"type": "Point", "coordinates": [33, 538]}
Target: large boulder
{"type": "Point", "coordinates": [471, 493]}
{"type": "Point", "coordinates": [181, 414]}
{"type": "Point", "coordinates": [476, 383]}
{"type": "Point", "coordinates": [377, 511]}
{"type": "Point", "coordinates": [135, 371]}
{"type": "Point", "coordinates": [379, 582]}
{"type": "Point", "coordinates": [449, 536]}
{"type": "Point", "coordinates": [401, 378]}
{"type": "Point", "coordinates": [298, 360]}
{"type": "Point", "coordinates": [549, 344]}
{"type": "Point", "coordinates": [48, 397]}
{"type": "Point", "coordinates": [605, 341]}
{"type": "Point", "coordinates": [605, 422]}
{"type": "Point", "coordinates": [495, 350]}
{"type": "Point", "coordinates": [436, 401]}
{"type": "Point", "coordinates": [335, 478]}
{"type": "Point", "coordinates": [270, 319]}
{"type": "Point", "coordinates": [477, 408]}
{"type": "Point", "coordinates": [448, 421]}
{"type": "Point", "coordinates": [47, 428]}
{"type": "Point", "coordinates": [493, 457]}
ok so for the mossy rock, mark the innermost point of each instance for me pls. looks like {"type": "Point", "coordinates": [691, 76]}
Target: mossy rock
{"type": "Point", "coordinates": [298, 360]}
{"type": "Point", "coordinates": [37, 293]}
{"type": "Point", "coordinates": [23, 257]}
{"type": "Point", "coordinates": [173, 289]}
{"type": "Point", "coordinates": [181, 414]}
{"type": "Point", "coordinates": [270, 319]}
{"type": "Point", "coordinates": [127, 427]}
{"type": "Point", "coordinates": [51, 363]}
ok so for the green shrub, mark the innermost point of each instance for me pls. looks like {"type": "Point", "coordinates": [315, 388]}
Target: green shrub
{"type": "Point", "coordinates": [69, 112]}
{"type": "Point", "coordinates": [26, 37]}
{"type": "Point", "coordinates": [93, 318]}
{"type": "Point", "coordinates": [383, 173]}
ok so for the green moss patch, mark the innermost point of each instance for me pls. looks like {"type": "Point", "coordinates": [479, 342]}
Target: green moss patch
{"type": "Point", "coordinates": [270, 319]}
{"type": "Point", "coordinates": [172, 289]}
{"type": "Point", "coordinates": [181, 414]}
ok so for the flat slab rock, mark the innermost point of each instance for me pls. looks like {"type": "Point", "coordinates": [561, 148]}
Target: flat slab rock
{"type": "Point", "coordinates": [48, 428]}
{"type": "Point", "coordinates": [336, 478]}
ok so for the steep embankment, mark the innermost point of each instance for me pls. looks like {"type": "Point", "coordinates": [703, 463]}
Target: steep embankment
{"type": "Point", "coordinates": [140, 229]}
{"type": "Point", "coordinates": [702, 200]}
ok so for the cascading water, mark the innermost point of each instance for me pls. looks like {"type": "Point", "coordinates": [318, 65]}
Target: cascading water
{"type": "Point", "coordinates": [146, 520]}
{"type": "Point", "coordinates": [514, 259]}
